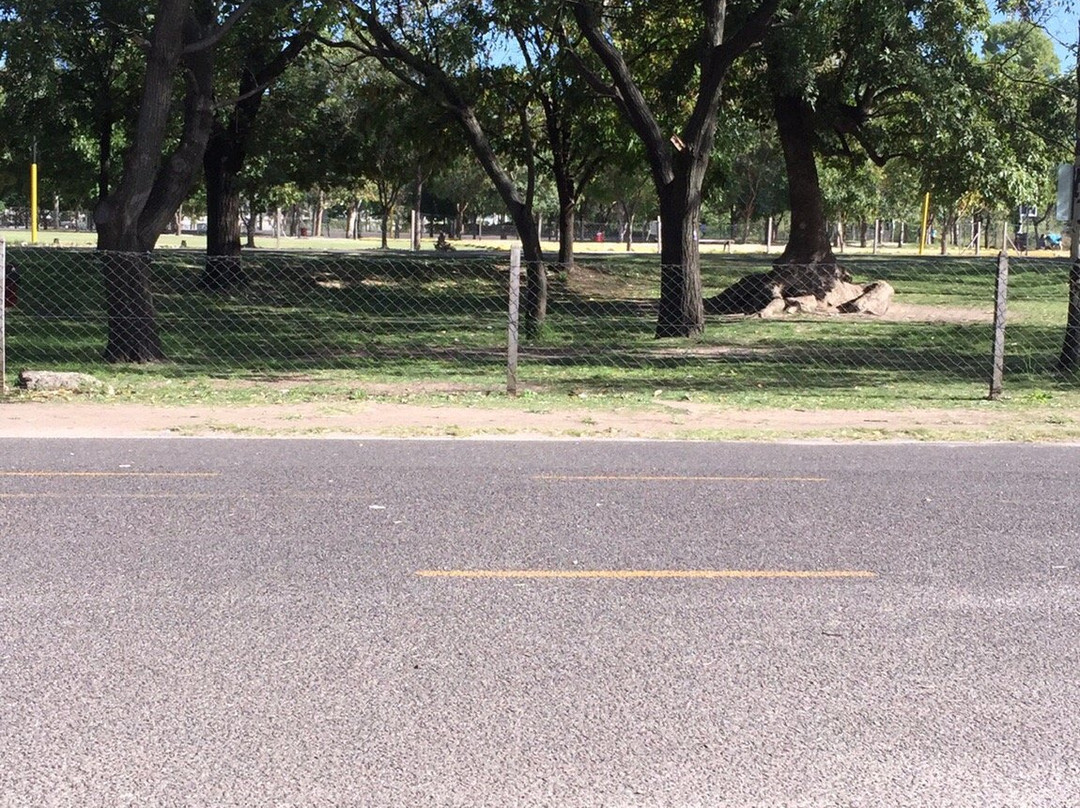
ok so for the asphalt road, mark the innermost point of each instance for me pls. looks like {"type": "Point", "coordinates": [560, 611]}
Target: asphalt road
{"type": "Point", "coordinates": [260, 623]}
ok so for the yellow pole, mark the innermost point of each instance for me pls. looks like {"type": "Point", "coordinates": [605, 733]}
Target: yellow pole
{"type": "Point", "coordinates": [33, 202]}
{"type": "Point", "coordinates": [925, 221]}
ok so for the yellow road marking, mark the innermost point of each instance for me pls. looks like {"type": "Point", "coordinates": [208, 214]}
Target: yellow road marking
{"type": "Point", "coordinates": [109, 474]}
{"type": "Point", "coordinates": [619, 574]}
{"type": "Point", "coordinates": [677, 478]}
{"type": "Point", "coordinates": [98, 495]}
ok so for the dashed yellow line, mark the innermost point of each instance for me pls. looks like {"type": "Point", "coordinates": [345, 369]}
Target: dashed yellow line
{"type": "Point", "coordinates": [676, 478]}
{"type": "Point", "coordinates": [630, 574]}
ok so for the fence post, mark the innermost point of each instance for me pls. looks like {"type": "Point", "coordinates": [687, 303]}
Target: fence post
{"type": "Point", "coordinates": [1001, 293]}
{"type": "Point", "coordinates": [3, 316]}
{"type": "Point", "coordinates": [512, 321]}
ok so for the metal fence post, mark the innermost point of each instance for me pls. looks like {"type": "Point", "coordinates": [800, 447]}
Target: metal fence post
{"type": "Point", "coordinates": [1001, 293]}
{"type": "Point", "coordinates": [512, 321]}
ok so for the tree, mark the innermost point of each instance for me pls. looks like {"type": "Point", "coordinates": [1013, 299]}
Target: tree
{"type": "Point", "coordinates": [700, 54]}
{"type": "Point", "coordinates": [862, 79]}
{"type": "Point", "coordinates": [268, 44]}
{"type": "Point", "coordinates": [577, 132]}
{"type": "Point", "coordinates": [68, 70]}
{"type": "Point", "coordinates": [386, 135]}
{"type": "Point", "coordinates": [435, 51]}
{"type": "Point", "coordinates": [624, 183]}
{"type": "Point", "coordinates": [130, 219]}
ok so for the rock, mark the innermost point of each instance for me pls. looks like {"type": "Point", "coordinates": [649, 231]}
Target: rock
{"type": "Point", "coordinates": [57, 380]}
{"type": "Point", "coordinates": [842, 293]}
{"type": "Point", "coordinates": [801, 289]}
{"type": "Point", "coordinates": [875, 299]}
{"type": "Point", "coordinates": [753, 293]}
{"type": "Point", "coordinates": [773, 307]}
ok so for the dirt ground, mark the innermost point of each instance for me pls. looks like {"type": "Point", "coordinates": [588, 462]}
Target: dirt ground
{"type": "Point", "coordinates": [667, 420]}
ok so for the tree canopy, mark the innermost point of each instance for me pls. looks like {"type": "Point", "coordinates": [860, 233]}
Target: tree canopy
{"type": "Point", "coordinates": [816, 110]}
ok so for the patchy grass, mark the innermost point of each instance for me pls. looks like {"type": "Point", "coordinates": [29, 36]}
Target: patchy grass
{"type": "Point", "coordinates": [333, 327]}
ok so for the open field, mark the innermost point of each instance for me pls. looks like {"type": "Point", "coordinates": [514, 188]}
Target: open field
{"type": "Point", "coordinates": [71, 238]}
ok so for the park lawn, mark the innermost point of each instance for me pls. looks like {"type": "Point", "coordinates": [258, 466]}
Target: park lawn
{"type": "Point", "coordinates": [314, 325]}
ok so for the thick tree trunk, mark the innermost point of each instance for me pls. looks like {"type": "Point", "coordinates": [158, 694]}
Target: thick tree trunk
{"type": "Point", "coordinates": [129, 302]}
{"type": "Point", "coordinates": [319, 214]}
{"type": "Point", "coordinates": [132, 217]}
{"type": "Point", "coordinates": [682, 311]}
{"type": "Point", "coordinates": [807, 266]}
{"type": "Point", "coordinates": [223, 160]}
{"type": "Point", "coordinates": [1069, 360]}
{"type": "Point", "coordinates": [808, 243]}
{"type": "Point", "coordinates": [535, 294]}
{"type": "Point", "coordinates": [566, 235]}
{"type": "Point", "coordinates": [221, 164]}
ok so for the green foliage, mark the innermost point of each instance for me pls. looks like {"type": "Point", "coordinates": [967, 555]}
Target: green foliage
{"type": "Point", "coordinates": [68, 74]}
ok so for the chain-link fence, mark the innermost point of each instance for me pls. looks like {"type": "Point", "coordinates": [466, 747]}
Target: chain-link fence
{"type": "Point", "coordinates": [444, 316]}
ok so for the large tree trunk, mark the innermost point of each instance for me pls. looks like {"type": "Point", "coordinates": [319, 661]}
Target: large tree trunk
{"type": "Point", "coordinates": [808, 243]}
{"type": "Point", "coordinates": [1070, 348]}
{"type": "Point", "coordinates": [678, 174]}
{"type": "Point", "coordinates": [130, 220]}
{"type": "Point", "coordinates": [807, 266]}
{"type": "Point", "coordinates": [1069, 360]}
{"type": "Point", "coordinates": [535, 297]}
{"type": "Point", "coordinates": [566, 235]}
{"type": "Point", "coordinates": [129, 305]}
{"type": "Point", "coordinates": [565, 187]}
{"type": "Point", "coordinates": [224, 158]}
{"type": "Point", "coordinates": [222, 162]}
{"type": "Point", "coordinates": [682, 311]}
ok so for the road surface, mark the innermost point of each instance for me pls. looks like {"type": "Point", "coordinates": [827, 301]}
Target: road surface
{"type": "Point", "coordinates": [503, 623]}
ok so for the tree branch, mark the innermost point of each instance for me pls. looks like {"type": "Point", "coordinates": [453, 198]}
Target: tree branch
{"type": "Point", "coordinates": [632, 100]}
{"type": "Point", "coordinates": [219, 31]}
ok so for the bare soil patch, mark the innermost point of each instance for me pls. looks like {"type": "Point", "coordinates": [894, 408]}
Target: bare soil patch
{"type": "Point", "coordinates": [667, 420]}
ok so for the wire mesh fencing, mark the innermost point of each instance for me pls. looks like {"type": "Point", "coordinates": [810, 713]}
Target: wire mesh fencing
{"type": "Point", "coordinates": [445, 316]}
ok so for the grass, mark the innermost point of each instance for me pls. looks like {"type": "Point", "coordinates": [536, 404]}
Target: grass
{"type": "Point", "coordinates": [334, 326]}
